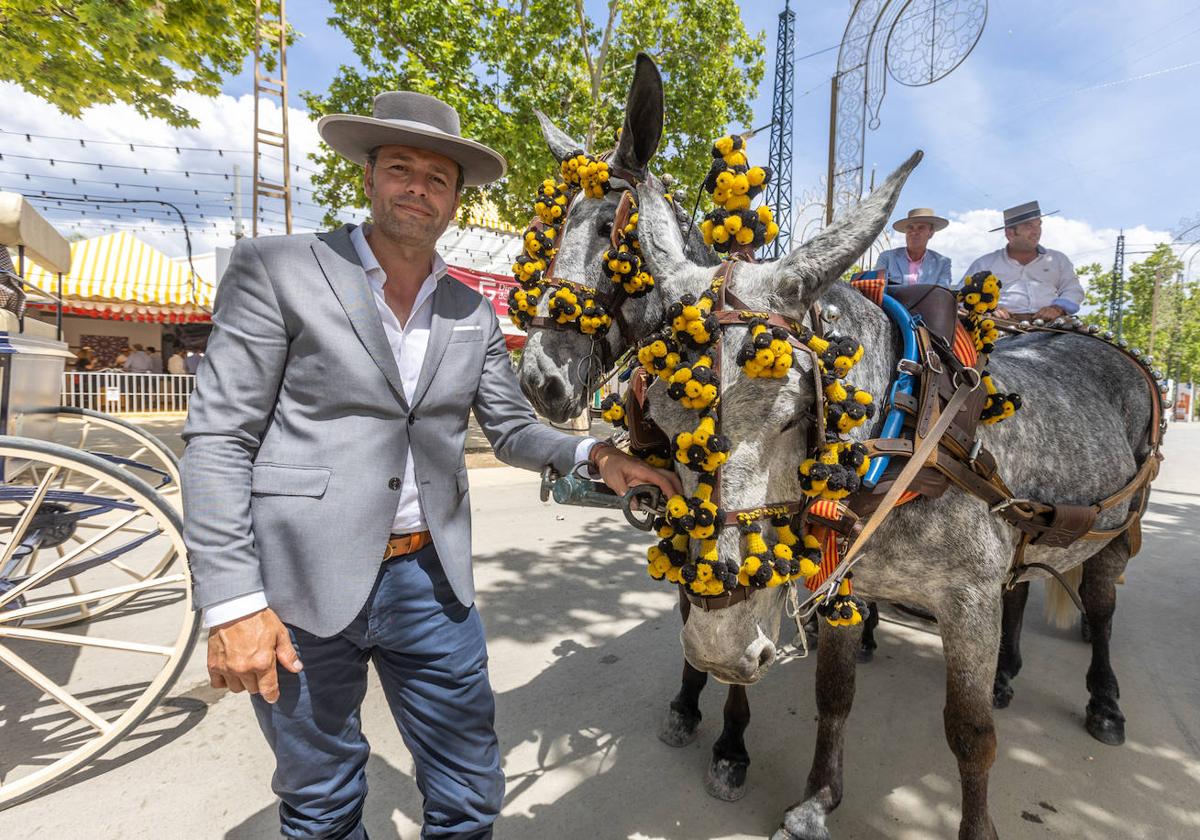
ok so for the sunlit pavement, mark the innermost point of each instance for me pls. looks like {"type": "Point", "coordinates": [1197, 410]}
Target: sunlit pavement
{"type": "Point", "coordinates": [585, 657]}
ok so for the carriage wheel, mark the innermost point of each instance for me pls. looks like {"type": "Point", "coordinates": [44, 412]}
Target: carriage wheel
{"type": "Point", "coordinates": [125, 445]}
{"type": "Point", "coordinates": [69, 696]}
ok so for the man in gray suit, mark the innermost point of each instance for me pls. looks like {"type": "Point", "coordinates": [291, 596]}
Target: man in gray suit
{"type": "Point", "coordinates": [325, 487]}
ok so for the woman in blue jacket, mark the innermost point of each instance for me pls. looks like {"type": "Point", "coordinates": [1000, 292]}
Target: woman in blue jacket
{"type": "Point", "coordinates": [915, 263]}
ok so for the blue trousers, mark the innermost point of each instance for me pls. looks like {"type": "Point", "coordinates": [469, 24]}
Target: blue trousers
{"type": "Point", "coordinates": [431, 657]}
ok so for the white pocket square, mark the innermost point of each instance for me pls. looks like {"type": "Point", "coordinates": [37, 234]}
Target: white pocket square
{"type": "Point", "coordinates": [475, 327]}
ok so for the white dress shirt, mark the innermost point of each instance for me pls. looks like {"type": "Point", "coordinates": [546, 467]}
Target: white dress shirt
{"type": "Point", "coordinates": [408, 343]}
{"type": "Point", "coordinates": [1049, 280]}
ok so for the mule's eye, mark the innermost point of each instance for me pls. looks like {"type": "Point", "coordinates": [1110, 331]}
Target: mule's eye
{"type": "Point", "coordinates": [604, 229]}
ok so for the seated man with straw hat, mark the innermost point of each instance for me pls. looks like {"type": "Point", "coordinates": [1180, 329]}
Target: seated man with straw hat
{"type": "Point", "coordinates": [1035, 282]}
{"type": "Point", "coordinates": [915, 263]}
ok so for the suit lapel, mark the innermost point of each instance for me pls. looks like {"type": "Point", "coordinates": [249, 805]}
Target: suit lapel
{"type": "Point", "coordinates": [339, 262]}
{"type": "Point", "coordinates": [439, 336]}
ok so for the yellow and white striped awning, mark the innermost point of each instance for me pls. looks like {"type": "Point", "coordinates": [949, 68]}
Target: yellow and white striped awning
{"type": "Point", "coordinates": [120, 268]}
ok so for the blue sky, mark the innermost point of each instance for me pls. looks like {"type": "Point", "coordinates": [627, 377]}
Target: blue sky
{"type": "Point", "coordinates": [1045, 107]}
{"type": "Point", "coordinates": [1086, 107]}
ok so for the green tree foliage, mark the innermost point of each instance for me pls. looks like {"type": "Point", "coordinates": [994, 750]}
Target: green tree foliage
{"type": "Point", "coordinates": [1098, 285]}
{"type": "Point", "coordinates": [495, 62]}
{"type": "Point", "coordinates": [1168, 327]}
{"type": "Point", "coordinates": [142, 52]}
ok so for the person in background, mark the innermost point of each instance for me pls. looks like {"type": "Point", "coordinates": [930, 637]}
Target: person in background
{"type": "Point", "coordinates": [191, 362]}
{"type": "Point", "coordinates": [175, 364]}
{"type": "Point", "coordinates": [1035, 282]}
{"type": "Point", "coordinates": [156, 360]}
{"type": "Point", "coordinates": [138, 361]}
{"type": "Point", "coordinates": [915, 263]}
{"type": "Point", "coordinates": [122, 357]}
{"type": "Point", "coordinates": [84, 358]}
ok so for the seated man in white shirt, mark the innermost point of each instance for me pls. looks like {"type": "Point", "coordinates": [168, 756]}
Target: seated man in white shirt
{"type": "Point", "coordinates": [1035, 282]}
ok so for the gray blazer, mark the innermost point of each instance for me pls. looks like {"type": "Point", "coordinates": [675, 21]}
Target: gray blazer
{"type": "Point", "coordinates": [299, 429]}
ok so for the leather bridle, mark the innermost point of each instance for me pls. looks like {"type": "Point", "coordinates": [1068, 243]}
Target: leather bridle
{"type": "Point", "coordinates": [612, 302]}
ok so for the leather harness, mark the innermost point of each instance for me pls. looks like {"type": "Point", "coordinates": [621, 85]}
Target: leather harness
{"type": "Point", "coordinates": [956, 455]}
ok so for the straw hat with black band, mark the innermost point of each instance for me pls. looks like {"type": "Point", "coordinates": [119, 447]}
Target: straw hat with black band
{"type": "Point", "coordinates": [404, 118]}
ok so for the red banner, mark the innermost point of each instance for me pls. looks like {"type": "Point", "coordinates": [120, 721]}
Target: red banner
{"type": "Point", "coordinates": [494, 287]}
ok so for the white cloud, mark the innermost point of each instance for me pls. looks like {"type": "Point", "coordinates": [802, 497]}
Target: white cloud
{"type": "Point", "coordinates": [968, 237]}
{"type": "Point", "coordinates": [225, 122]}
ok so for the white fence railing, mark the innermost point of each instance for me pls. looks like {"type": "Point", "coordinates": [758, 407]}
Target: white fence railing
{"type": "Point", "coordinates": [127, 393]}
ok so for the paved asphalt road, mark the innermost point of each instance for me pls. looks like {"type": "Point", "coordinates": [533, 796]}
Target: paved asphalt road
{"type": "Point", "coordinates": [585, 657]}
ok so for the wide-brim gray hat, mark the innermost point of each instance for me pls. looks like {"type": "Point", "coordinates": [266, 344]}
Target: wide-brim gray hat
{"type": "Point", "coordinates": [404, 118]}
{"type": "Point", "coordinates": [1026, 212]}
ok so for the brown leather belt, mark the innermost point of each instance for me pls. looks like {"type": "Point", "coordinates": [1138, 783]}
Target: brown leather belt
{"type": "Point", "coordinates": [401, 544]}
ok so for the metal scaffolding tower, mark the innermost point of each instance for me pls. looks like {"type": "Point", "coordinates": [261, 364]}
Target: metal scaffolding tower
{"type": "Point", "coordinates": [779, 188]}
{"type": "Point", "coordinates": [270, 37]}
{"type": "Point", "coordinates": [1116, 293]}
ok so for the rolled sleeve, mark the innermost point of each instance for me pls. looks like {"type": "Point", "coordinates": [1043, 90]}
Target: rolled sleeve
{"type": "Point", "coordinates": [1070, 290]}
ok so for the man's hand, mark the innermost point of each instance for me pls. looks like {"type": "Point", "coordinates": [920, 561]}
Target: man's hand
{"type": "Point", "coordinates": [242, 654]}
{"type": "Point", "coordinates": [1000, 312]}
{"type": "Point", "coordinates": [1049, 313]}
{"type": "Point", "coordinates": [620, 471]}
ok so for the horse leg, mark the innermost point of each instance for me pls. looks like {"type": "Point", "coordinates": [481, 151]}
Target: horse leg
{"type": "Point", "coordinates": [726, 779]}
{"type": "Point", "coordinates": [683, 714]}
{"type": "Point", "coordinates": [1104, 721]}
{"type": "Point", "coordinates": [1009, 664]}
{"type": "Point", "coordinates": [836, 657]}
{"type": "Point", "coordinates": [866, 651]}
{"type": "Point", "coordinates": [970, 640]}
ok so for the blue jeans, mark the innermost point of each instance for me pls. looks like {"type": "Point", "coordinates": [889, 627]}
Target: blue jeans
{"type": "Point", "coordinates": [431, 657]}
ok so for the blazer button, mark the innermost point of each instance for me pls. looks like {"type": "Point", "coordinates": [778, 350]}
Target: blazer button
{"type": "Point", "coordinates": [394, 484]}
{"type": "Point", "coordinates": [412, 418]}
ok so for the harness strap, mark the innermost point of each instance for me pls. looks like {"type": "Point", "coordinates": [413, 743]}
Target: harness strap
{"type": "Point", "coordinates": [717, 602]}
{"type": "Point", "coordinates": [914, 465]}
{"type": "Point", "coordinates": [736, 517]}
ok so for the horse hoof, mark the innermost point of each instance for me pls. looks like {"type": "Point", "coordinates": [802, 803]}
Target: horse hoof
{"type": "Point", "coordinates": [1002, 695]}
{"type": "Point", "coordinates": [726, 780]}
{"type": "Point", "coordinates": [678, 730]}
{"type": "Point", "coordinates": [1106, 728]}
{"type": "Point", "coordinates": [866, 654]}
{"type": "Point", "coordinates": [803, 823]}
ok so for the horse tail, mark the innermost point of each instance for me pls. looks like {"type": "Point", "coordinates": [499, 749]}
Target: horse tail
{"type": "Point", "coordinates": [1060, 608]}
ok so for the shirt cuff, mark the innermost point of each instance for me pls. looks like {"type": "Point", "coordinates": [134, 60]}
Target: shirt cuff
{"type": "Point", "coordinates": [233, 608]}
{"type": "Point", "coordinates": [584, 448]}
{"type": "Point", "coordinates": [1066, 305]}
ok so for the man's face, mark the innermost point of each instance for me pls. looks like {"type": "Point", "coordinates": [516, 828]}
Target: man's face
{"type": "Point", "coordinates": [1025, 236]}
{"type": "Point", "coordinates": [917, 234]}
{"type": "Point", "coordinates": [412, 192]}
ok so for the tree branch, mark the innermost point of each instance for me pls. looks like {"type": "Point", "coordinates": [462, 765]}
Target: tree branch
{"type": "Point", "coordinates": [597, 70]}
{"type": "Point", "coordinates": [583, 38]}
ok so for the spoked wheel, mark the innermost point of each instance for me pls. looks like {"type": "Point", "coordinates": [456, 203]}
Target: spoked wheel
{"type": "Point", "coordinates": [78, 534]}
{"type": "Point", "coordinates": [125, 444]}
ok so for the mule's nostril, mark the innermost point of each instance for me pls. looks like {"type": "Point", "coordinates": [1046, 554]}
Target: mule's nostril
{"type": "Point", "coordinates": [766, 656]}
{"type": "Point", "coordinates": [553, 390]}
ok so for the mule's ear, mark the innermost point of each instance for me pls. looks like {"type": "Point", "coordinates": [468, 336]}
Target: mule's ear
{"type": "Point", "coordinates": [561, 146]}
{"type": "Point", "coordinates": [658, 232]}
{"type": "Point", "coordinates": [803, 275]}
{"type": "Point", "coordinates": [643, 119]}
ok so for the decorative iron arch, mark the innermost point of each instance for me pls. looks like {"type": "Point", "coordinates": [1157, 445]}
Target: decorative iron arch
{"type": "Point", "coordinates": [916, 42]}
